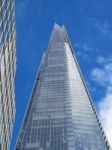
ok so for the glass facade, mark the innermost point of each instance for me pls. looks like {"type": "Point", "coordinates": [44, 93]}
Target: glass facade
{"type": "Point", "coordinates": [60, 114]}
{"type": "Point", "coordinates": [7, 71]}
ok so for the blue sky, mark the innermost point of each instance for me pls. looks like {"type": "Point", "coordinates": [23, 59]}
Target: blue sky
{"type": "Point", "coordinates": [89, 25]}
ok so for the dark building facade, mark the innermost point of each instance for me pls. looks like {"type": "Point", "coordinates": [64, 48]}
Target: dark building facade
{"type": "Point", "coordinates": [60, 114]}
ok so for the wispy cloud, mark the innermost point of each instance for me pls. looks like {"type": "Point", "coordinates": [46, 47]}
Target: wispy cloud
{"type": "Point", "coordinates": [82, 55]}
{"type": "Point", "coordinates": [26, 7]}
{"type": "Point", "coordinates": [83, 51]}
{"type": "Point", "coordinates": [101, 60]}
{"type": "Point", "coordinates": [103, 77]}
{"type": "Point", "coordinates": [21, 8]}
{"type": "Point", "coordinates": [80, 52]}
{"type": "Point", "coordinates": [91, 88]}
{"type": "Point", "coordinates": [104, 28]}
{"type": "Point", "coordinates": [84, 47]}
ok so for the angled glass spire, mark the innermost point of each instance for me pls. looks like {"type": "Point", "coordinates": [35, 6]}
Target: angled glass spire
{"type": "Point", "coordinates": [60, 114]}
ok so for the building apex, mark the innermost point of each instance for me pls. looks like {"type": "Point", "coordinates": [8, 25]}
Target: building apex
{"type": "Point", "coordinates": [56, 26]}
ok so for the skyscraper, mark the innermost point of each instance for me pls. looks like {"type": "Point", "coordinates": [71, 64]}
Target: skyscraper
{"type": "Point", "coordinates": [60, 114]}
{"type": "Point", "coordinates": [7, 71]}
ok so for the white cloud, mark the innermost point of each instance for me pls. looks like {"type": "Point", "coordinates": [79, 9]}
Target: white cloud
{"type": "Point", "coordinates": [103, 77]}
{"type": "Point", "coordinates": [104, 28]}
{"type": "Point", "coordinates": [100, 60]}
{"type": "Point", "coordinates": [84, 47]}
{"type": "Point", "coordinates": [83, 55]}
{"type": "Point", "coordinates": [98, 75]}
{"type": "Point", "coordinates": [103, 60]}
{"type": "Point", "coordinates": [105, 113]}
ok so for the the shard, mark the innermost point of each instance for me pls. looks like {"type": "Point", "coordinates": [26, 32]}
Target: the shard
{"type": "Point", "coordinates": [60, 113]}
